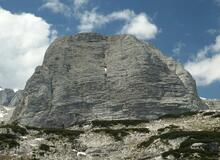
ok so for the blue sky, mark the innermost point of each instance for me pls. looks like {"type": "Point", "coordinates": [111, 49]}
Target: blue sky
{"type": "Point", "coordinates": [187, 30]}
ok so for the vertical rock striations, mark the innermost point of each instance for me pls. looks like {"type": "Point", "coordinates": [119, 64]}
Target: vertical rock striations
{"type": "Point", "coordinates": [17, 98]}
{"type": "Point", "coordinates": [89, 76]}
{"type": "Point", "coordinates": [5, 96]}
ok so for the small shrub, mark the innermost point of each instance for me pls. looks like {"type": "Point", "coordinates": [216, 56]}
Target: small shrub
{"type": "Point", "coordinates": [44, 147]}
{"type": "Point", "coordinates": [8, 140]}
{"type": "Point", "coordinates": [15, 128]}
{"type": "Point", "coordinates": [184, 153]}
{"type": "Point", "coordinates": [147, 143]}
{"type": "Point", "coordinates": [200, 136]}
{"type": "Point", "coordinates": [126, 122]}
{"type": "Point", "coordinates": [216, 116]}
{"type": "Point", "coordinates": [170, 128]}
{"type": "Point", "coordinates": [117, 134]}
{"type": "Point", "coordinates": [185, 114]}
{"type": "Point", "coordinates": [70, 134]}
{"type": "Point", "coordinates": [208, 113]}
{"type": "Point", "coordinates": [63, 132]}
{"type": "Point", "coordinates": [33, 128]}
{"type": "Point", "coordinates": [140, 130]}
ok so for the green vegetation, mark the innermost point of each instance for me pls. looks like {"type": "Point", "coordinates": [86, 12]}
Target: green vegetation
{"type": "Point", "coordinates": [118, 134]}
{"type": "Point", "coordinates": [185, 149]}
{"type": "Point", "coordinates": [216, 116]}
{"type": "Point", "coordinates": [61, 132]}
{"type": "Point", "coordinates": [33, 128]}
{"type": "Point", "coordinates": [58, 131]}
{"type": "Point", "coordinates": [147, 143]}
{"type": "Point", "coordinates": [10, 157]}
{"type": "Point", "coordinates": [185, 114]}
{"type": "Point", "coordinates": [140, 130]}
{"type": "Point", "coordinates": [126, 122]}
{"type": "Point", "coordinates": [44, 147]}
{"type": "Point", "coordinates": [209, 136]}
{"type": "Point", "coordinates": [66, 133]}
{"type": "Point", "coordinates": [184, 153]}
{"type": "Point", "coordinates": [15, 128]}
{"type": "Point", "coordinates": [208, 113]}
{"type": "Point", "coordinates": [191, 134]}
{"type": "Point", "coordinates": [170, 128]}
{"type": "Point", "coordinates": [8, 140]}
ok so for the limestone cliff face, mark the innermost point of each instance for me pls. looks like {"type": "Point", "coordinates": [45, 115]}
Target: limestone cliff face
{"type": "Point", "coordinates": [17, 98]}
{"type": "Point", "coordinates": [5, 96]}
{"type": "Point", "coordinates": [89, 76]}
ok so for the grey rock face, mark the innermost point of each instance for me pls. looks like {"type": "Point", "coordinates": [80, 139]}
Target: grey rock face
{"type": "Point", "coordinates": [5, 113]}
{"type": "Point", "coordinates": [5, 96]}
{"type": "Point", "coordinates": [89, 76]}
{"type": "Point", "coordinates": [17, 98]}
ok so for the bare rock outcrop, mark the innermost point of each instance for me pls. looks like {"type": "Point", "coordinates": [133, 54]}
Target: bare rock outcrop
{"type": "Point", "coordinates": [5, 96]}
{"type": "Point", "coordinates": [213, 104]}
{"type": "Point", "coordinates": [17, 98]}
{"type": "Point", "coordinates": [90, 76]}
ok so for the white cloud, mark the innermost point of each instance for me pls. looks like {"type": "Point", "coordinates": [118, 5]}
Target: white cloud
{"type": "Point", "coordinates": [216, 47]}
{"type": "Point", "coordinates": [138, 25]}
{"type": "Point", "coordinates": [217, 2]}
{"type": "Point", "coordinates": [24, 39]}
{"type": "Point", "coordinates": [141, 27]}
{"type": "Point", "coordinates": [57, 7]}
{"type": "Point", "coordinates": [178, 48]}
{"type": "Point", "coordinates": [126, 15]}
{"type": "Point", "coordinates": [79, 3]}
{"type": "Point", "coordinates": [206, 69]}
{"type": "Point", "coordinates": [91, 20]}
{"type": "Point", "coordinates": [212, 31]}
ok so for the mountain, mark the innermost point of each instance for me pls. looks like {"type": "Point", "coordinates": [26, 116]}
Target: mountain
{"type": "Point", "coordinates": [17, 98]}
{"type": "Point", "coordinates": [91, 76]}
{"type": "Point", "coordinates": [10, 98]}
{"type": "Point", "coordinates": [5, 96]}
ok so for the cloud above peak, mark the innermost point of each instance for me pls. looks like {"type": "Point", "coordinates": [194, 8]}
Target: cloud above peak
{"type": "Point", "coordinates": [56, 7]}
{"type": "Point", "coordinates": [205, 67]}
{"type": "Point", "coordinates": [79, 3]}
{"type": "Point", "coordinates": [24, 40]}
{"type": "Point", "coordinates": [91, 20]}
{"type": "Point", "coordinates": [139, 25]}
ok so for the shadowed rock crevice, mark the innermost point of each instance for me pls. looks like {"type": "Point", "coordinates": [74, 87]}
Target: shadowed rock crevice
{"type": "Point", "coordinates": [89, 76]}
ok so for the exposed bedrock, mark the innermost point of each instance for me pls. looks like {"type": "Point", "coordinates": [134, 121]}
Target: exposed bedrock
{"type": "Point", "coordinates": [90, 76]}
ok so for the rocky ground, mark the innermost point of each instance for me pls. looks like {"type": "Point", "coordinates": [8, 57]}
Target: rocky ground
{"type": "Point", "coordinates": [193, 135]}
{"type": "Point", "coordinates": [5, 113]}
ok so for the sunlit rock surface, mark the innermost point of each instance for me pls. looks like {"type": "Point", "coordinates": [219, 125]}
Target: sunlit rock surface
{"type": "Point", "coordinates": [90, 76]}
{"type": "Point", "coordinates": [5, 96]}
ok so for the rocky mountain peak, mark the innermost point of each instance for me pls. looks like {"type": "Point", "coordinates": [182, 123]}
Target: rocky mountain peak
{"type": "Point", "coordinates": [90, 76]}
